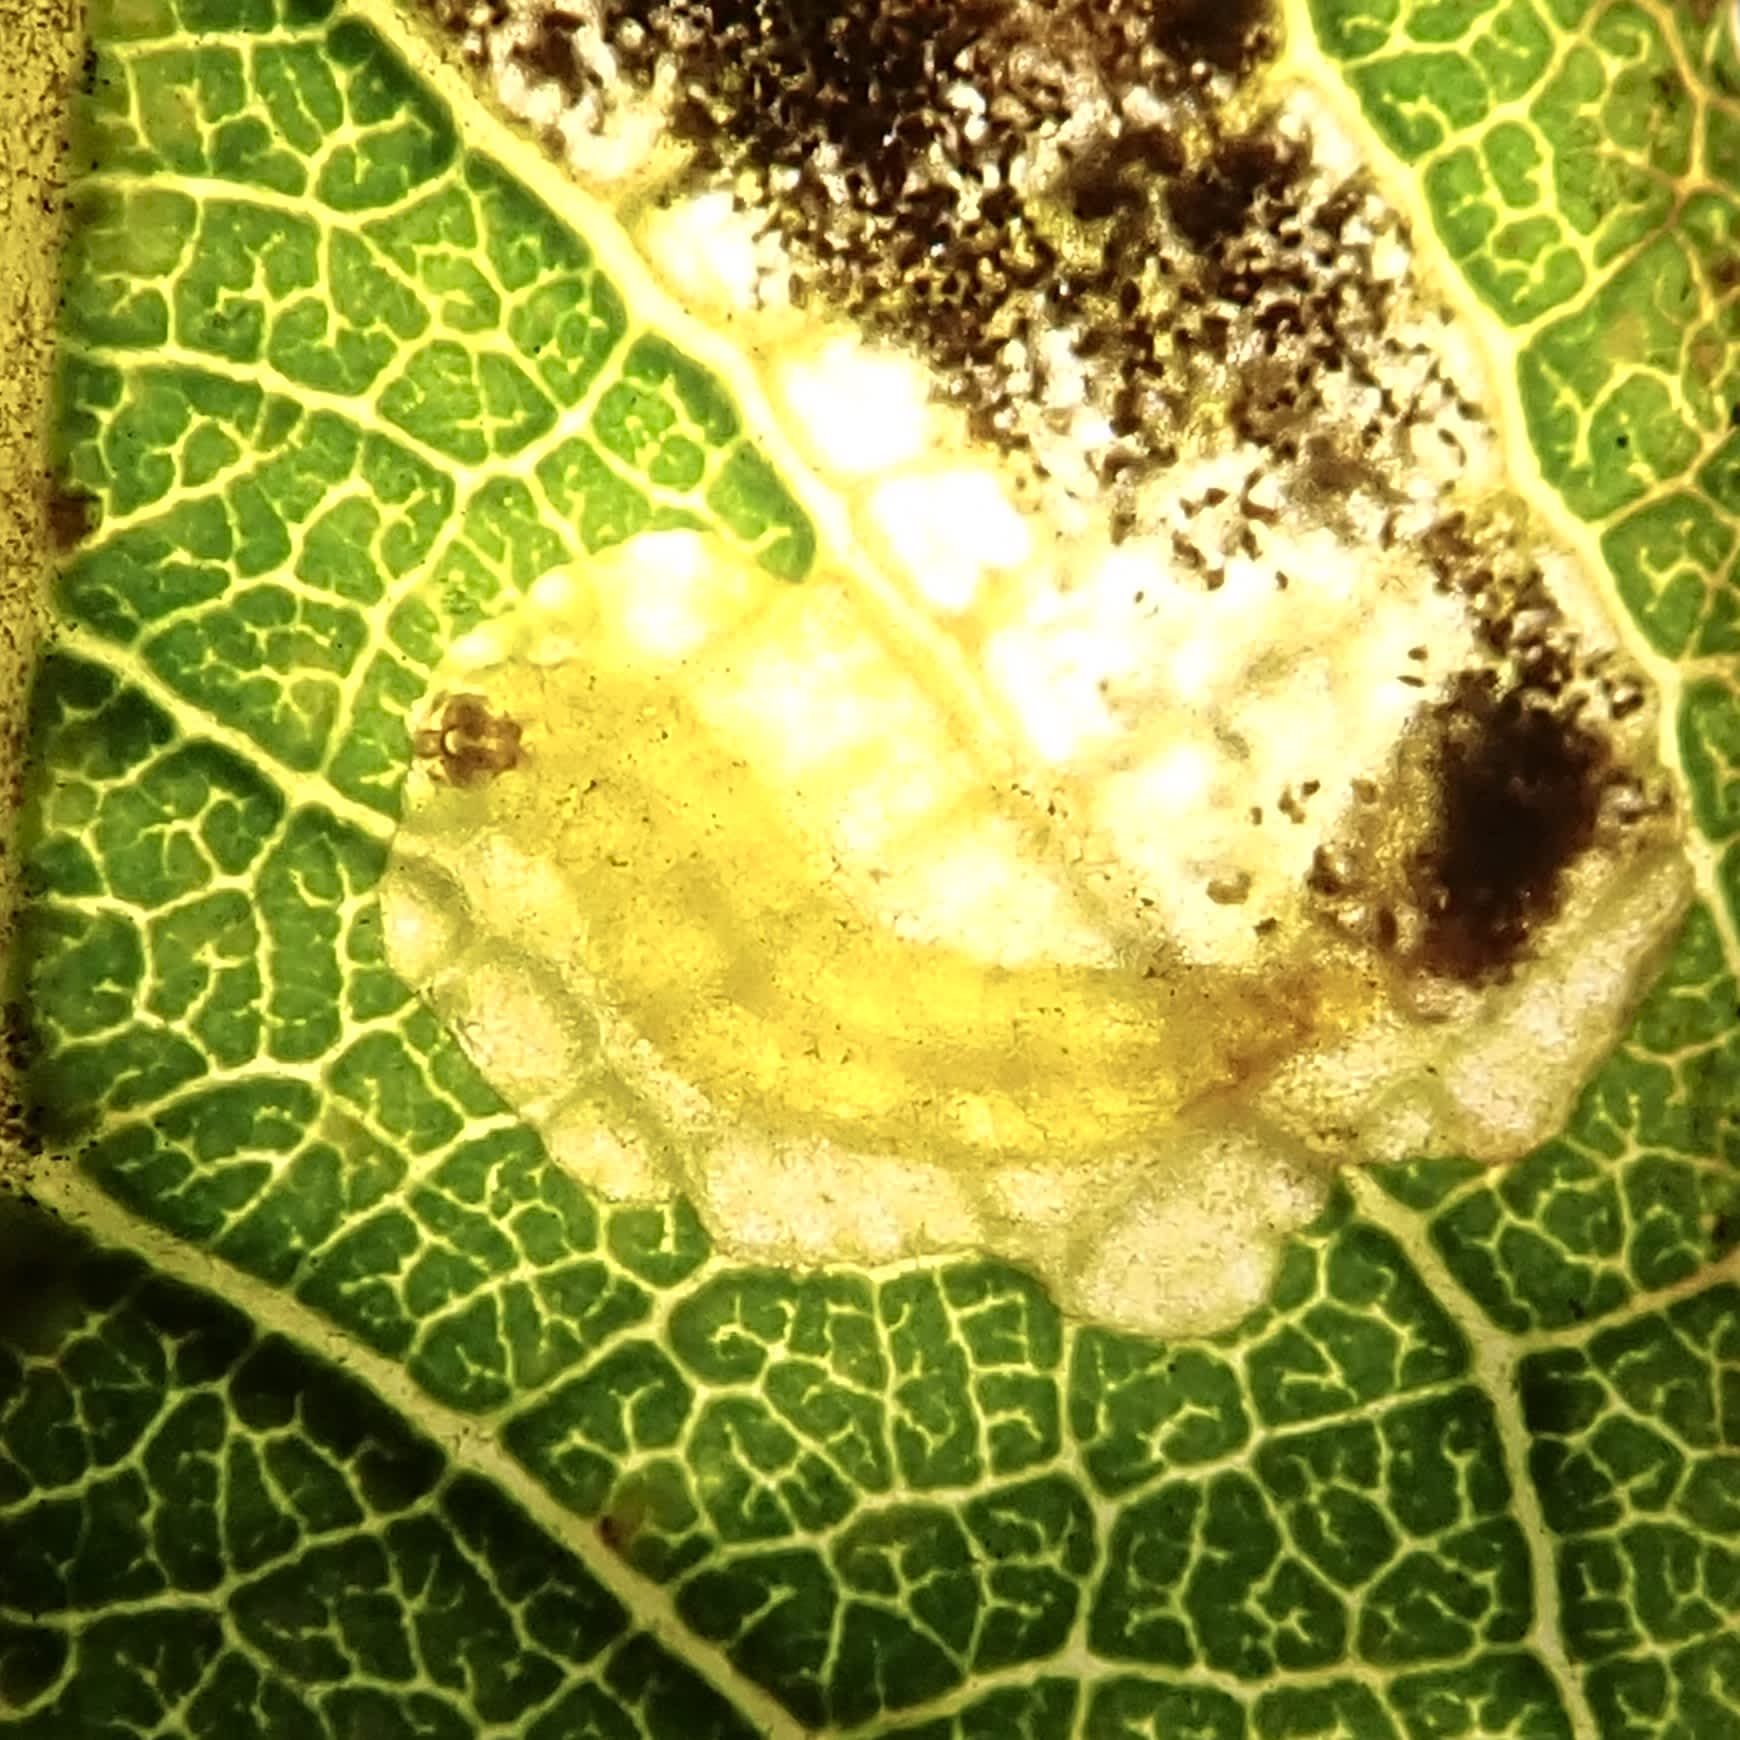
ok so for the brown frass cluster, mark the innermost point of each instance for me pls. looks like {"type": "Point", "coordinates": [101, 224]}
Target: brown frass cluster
{"type": "Point", "coordinates": [1087, 214]}
{"type": "Point", "coordinates": [979, 179]}
{"type": "Point", "coordinates": [971, 177]}
{"type": "Point", "coordinates": [1503, 783]}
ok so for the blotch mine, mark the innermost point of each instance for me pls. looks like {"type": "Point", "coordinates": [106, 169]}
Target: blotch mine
{"type": "Point", "coordinates": [1195, 640]}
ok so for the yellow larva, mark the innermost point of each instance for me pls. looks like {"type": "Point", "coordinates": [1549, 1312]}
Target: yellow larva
{"type": "Point", "coordinates": [712, 908]}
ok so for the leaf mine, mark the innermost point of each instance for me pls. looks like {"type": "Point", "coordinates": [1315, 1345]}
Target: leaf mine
{"type": "Point", "coordinates": [1217, 773]}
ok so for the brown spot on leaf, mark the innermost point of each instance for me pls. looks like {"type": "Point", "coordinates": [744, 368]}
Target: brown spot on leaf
{"type": "Point", "coordinates": [71, 515]}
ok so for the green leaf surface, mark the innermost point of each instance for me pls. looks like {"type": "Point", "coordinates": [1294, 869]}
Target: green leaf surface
{"type": "Point", "coordinates": [346, 1412]}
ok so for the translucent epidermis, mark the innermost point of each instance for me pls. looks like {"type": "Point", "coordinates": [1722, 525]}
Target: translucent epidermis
{"type": "Point", "coordinates": [959, 896]}
{"type": "Point", "coordinates": [753, 912]}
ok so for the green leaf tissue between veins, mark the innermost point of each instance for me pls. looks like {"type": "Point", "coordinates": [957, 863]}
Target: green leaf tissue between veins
{"type": "Point", "coordinates": [329, 1405]}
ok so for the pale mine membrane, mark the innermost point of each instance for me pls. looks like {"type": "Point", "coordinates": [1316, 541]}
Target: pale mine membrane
{"type": "Point", "coordinates": [888, 922]}
{"type": "Point", "coordinates": [721, 773]}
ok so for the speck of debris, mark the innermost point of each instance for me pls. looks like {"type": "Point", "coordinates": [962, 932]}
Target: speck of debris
{"type": "Point", "coordinates": [1328, 873]}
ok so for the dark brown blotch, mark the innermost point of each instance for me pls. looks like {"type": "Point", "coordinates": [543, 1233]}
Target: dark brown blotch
{"type": "Point", "coordinates": [1214, 202]}
{"type": "Point", "coordinates": [71, 516]}
{"type": "Point", "coordinates": [1228, 35]}
{"type": "Point", "coordinates": [549, 50]}
{"type": "Point", "coordinates": [1519, 787]}
{"type": "Point", "coordinates": [1117, 174]}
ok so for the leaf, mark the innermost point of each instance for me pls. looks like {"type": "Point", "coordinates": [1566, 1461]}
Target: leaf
{"type": "Point", "coordinates": [330, 1405]}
